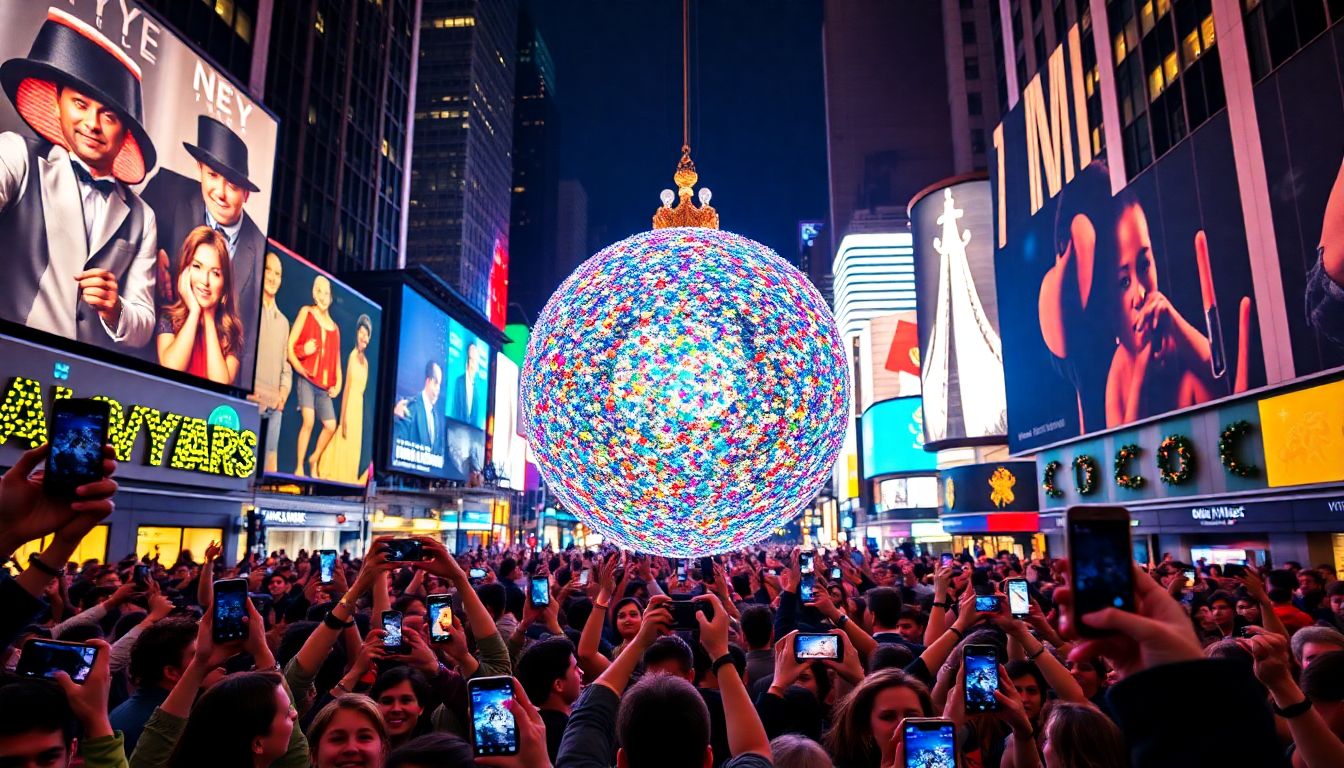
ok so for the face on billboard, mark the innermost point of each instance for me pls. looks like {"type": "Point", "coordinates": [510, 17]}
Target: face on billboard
{"type": "Point", "coordinates": [153, 161]}
{"type": "Point", "coordinates": [1120, 301]}
{"type": "Point", "coordinates": [962, 371]}
{"type": "Point", "coordinates": [317, 360]}
{"type": "Point", "coordinates": [439, 412]}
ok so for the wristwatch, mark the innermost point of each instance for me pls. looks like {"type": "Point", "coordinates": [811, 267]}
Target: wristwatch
{"type": "Point", "coordinates": [841, 621]}
{"type": "Point", "coordinates": [723, 660]}
{"type": "Point", "coordinates": [1293, 710]}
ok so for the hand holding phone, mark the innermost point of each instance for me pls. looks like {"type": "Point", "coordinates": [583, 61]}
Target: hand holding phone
{"type": "Point", "coordinates": [929, 741]}
{"type": "Point", "coordinates": [440, 616]}
{"type": "Point", "coordinates": [540, 593]}
{"type": "Point", "coordinates": [326, 565]}
{"type": "Point", "coordinates": [980, 664]}
{"type": "Point", "coordinates": [44, 658]}
{"type": "Point", "coordinates": [1019, 598]}
{"type": "Point", "coordinates": [229, 610]}
{"type": "Point", "coordinates": [494, 731]}
{"type": "Point", "coordinates": [79, 430]}
{"type": "Point", "coordinates": [405, 550]}
{"type": "Point", "coordinates": [392, 639]}
{"type": "Point", "coordinates": [1100, 563]}
{"type": "Point", "coordinates": [817, 646]}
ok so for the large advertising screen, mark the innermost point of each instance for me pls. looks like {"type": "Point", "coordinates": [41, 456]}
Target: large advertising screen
{"type": "Point", "coordinates": [1119, 302]}
{"type": "Point", "coordinates": [889, 364]}
{"type": "Point", "coordinates": [508, 448]}
{"type": "Point", "coordinates": [318, 354]}
{"type": "Point", "coordinates": [135, 185]}
{"type": "Point", "coordinates": [439, 411]}
{"type": "Point", "coordinates": [893, 439]}
{"type": "Point", "coordinates": [962, 363]}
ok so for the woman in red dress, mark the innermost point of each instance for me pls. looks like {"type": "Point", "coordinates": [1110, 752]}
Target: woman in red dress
{"type": "Point", "coordinates": [315, 353]}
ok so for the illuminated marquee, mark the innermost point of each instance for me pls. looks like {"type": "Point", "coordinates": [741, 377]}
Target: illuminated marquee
{"type": "Point", "coordinates": [217, 446]}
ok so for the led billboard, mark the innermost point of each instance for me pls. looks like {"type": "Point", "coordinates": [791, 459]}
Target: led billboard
{"type": "Point", "coordinates": [893, 439]}
{"type": "Point", "coordinates": [143, 232]}
{"type": "Point", "coordinates": [962, 361]}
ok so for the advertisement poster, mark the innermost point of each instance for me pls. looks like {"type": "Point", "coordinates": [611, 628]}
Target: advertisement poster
{"type": "Point", "coordinates": [1299, 109]}
{"type": "Point", "coordinates": [508, 447]}
{"type": "Point", "coordinates": [135, 185]}
{"type": "Point", "coordinates": [890, 367]}
{"type": "Point", "coordinates": [1117, 306]}
{"type": "Point", "coordinates": [317, 364]}
{"type": "Point", "coordinates": [439, 413]}
{"type": "Point", "coordinates": [963, 388]}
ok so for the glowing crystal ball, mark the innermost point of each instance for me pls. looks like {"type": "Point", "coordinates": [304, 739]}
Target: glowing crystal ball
{"type": "Point", "coordinates": [685, 392]}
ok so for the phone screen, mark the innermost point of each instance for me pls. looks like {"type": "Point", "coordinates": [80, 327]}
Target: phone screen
{"type": "Point", "coordinates": [326, 560]}
{"type": "Point", "coordinates": [1190, 576]}
{"type": "Point", "coordinates": [404, 550]}
{"type": "Point", "coordinates": [584, 575]}
{"type": "Point", "coordinates": [230, 608]}
{"type": "Point", "coordinates": [807, 589]}
{"type": "Point", "coordinates": [78, 433]}
{"type": "Point", "coordinates": [1101, 565]}
{"type": "Point", "coordinates": [805, 562]}
{"type": "Point", "coordinates": [440, 617]}
{"type": "Point", "coordinates": [493, 729]}
{"type": "Point", "coordinates": [986, 603]}
{"type": "Point", "coordinates": [476, 573]}
{"type": "Point", "coordinates": [929, 744]}
{"type": "Point", "coordinates": [707, 570]}
{"type": "Point", "coordinates": [1019, 604]}
{"type": "Point", "coordinates": [392, 629]}
{"type": "Point", "coordinates": [681, 570]}
{"type": "Point", "coordinates": [982, 678]}
{"type": "Point", "coordinates": [816, 646]}
{"type": "Point", "coordinates": [945, 559]}
{"type": "Point", "coordinates": [541, 592]}
{"type": "Point", "coordinates": [44, 658]}
{"type": "Point", "coordinates": [142, 575]}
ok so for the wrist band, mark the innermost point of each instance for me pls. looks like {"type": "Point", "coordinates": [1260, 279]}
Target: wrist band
{"type": "Point", "coordinates": [1039, 651]}
{"type": "Point", "coordinates": [331, 621]}
{"type": "Point", "coordinates": [944, 605]}
{"type": "Point", "coordinates": [1293, 710]}
{"type": "Point", "coordinates": [599, 606]}
{"type": "Point", "coordinates": [340, 686]}
{"type": "Point", "coordinates": [842, 621]}
{"type": "Point", "coordinates": [960, 635]}
{"type": "Point", "coordinates": [723, 660]}
{"type": "Point", "coordinates": [35, 560]}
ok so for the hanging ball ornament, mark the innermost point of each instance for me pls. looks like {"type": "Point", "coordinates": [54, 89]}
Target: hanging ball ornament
{"type": "Point", "coordinates": [685, 392]}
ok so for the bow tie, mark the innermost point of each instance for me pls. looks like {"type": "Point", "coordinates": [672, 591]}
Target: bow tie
{"type": "Point", "coordinates": [103, 187]}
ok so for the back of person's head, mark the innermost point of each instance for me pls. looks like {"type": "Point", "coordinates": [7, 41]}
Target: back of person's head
{"type": "Point", "coordinates": [162, 644]}
{"type": "Point", "coordinates": [506, 568]}
{"type": "Point", "coordinates": [493, 597]}
{"type": "Point", "coordinates": [94, 596]}
{"type": "Point", "coordinates": [433, 750]}
{"type": "Point", "coordinates": [889, 656]}
{"type": "Point", "coordinates": [1229, 650]}
{"type": "Point", "coordinates": [662, 723]}
{"type": "Point", "coordinates": [36, 717]}
{"type": "Point", "coordinates": [577, 612]}
{"type": "Point", "coordinates": [794, 751]}
{"type": "Point", "coordinates": [885, 605]}
{"type": "Point", "coordinates": [126, 622]}
{"type": "Point", "coordinates": [758, 626]}
{"type": "Point", "coordinates": [1080, 736]}
{"type": "Point", "coordinates": [1326, 636]}
{"type": "Point", "coordinates": [227, 720]}
{"type": "Point", "coordinates": [671, 655]}
{"type": "Point", "coordinates": [850, 739]}
{"type": "Point", "coordinates": [369, 718]}
{"type": "Point", "coordinates": [911, 613]}
{"type": "Point", "coordinates": [1323, 681]}
{"type": "Point", "coordinates": [542, 665]}
{"type": "Point", "coordinates": [1281, 582]}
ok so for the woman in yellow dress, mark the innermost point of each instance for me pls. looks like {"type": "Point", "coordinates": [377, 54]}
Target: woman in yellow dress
{"type": "Point", "coordinates": [340, 462]}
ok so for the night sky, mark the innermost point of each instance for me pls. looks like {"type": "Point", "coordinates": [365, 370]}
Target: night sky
{"type": "Point", "coordinates": [758, 131]}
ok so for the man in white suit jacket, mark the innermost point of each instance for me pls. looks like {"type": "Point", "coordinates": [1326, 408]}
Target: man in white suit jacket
{"type": "Point", "coordinates": [79, 244]}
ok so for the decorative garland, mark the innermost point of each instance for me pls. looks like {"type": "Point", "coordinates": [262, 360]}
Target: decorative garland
{"type": "Point", "coordinates": [1174, 449]}
{"type": "Point", "coordinates": [1087, 482]}
{"type": "Point", "coordinates": [1227, 449]}
{"type": "Point", "coordinates": [1048, 480]}
{"type": "Point", "coordinates": [1126, 454]}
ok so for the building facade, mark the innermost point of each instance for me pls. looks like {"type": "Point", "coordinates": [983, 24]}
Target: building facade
{"type": "Point", "coordinates": [462, 170]}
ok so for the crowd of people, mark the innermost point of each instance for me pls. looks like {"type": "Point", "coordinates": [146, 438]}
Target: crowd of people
{"type": "Point", "coordinates": [617, 658]}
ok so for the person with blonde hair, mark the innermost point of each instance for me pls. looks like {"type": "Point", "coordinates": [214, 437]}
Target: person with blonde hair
{"type": "Point", "coordinates": [348, 731]}
{"type": "Point", "coordinates": [314, 353]}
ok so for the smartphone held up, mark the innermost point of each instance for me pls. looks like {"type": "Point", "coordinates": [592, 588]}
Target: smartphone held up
{"type": "Point", "coordinates": [79, 430]}
{"type": "Point", "coordinates": [494, 731]}
{"type": "Point", "coordinates": [1101, 565]}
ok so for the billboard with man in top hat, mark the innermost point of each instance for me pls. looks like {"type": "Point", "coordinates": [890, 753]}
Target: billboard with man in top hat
{"type": "Point", "coordinates": [134, 189]}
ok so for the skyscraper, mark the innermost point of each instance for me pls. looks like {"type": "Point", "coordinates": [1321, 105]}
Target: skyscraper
{"type": "Point", "coordinates": [461, 172]}
{"type": "Point", "coordinates": [234, 34]}
{"type": "Point", "coordinates": [340, 76]}
{"type": "Point", "coordinates": [534, 269]}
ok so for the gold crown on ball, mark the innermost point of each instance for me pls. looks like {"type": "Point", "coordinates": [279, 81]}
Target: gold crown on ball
{"type": "Point", "coordinates": [685, 213]}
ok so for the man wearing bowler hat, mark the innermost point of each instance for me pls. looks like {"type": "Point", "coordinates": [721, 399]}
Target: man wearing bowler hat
{"type": "Point", "coordinates": [214, 199]}
{"type": "Point", "coordinates": [78, 245]}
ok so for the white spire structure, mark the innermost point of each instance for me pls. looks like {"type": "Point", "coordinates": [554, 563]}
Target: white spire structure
{"type": "Point", "coordinates": [962, 343]}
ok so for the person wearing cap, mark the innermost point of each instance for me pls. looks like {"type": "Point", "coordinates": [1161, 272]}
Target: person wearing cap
{"type": "Point", "coordinates": [79, 243]}
{"type": "Point", "coordinates": [214, 199]}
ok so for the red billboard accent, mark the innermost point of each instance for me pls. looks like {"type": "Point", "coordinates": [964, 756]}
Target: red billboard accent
{"type": "Point", "coordinates": [498, 300]}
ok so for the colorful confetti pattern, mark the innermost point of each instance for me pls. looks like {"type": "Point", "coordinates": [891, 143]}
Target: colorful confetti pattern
{"type": "Point", "coordinates": [685, 392]}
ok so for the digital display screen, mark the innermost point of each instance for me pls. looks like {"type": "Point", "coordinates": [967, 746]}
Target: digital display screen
{"type": "Point", "coordinates": [440, 620]}
{"type": "Point", "coordinates": [893, 438]}
{"type": "Point", "coordinates": [930, 747]}
{"type": "Point", "coordinates": [982, 680]}
{"type": "Point", "coordinates": [392, 630]}
{"type": "Point", "coordinates": [986, 603]}
{"type": "Point", "coordinates": [1101, 570]}
{"type": "Point", "coordinates": [77, 446]}
{"type": "Point", "coordinates": [327, 562]}
{"type": "Point", "coordinates": [230, 608]}
{"type": "Point", "coordinates": [441, 393]}
{"type": "Point", "coordinates": [807, 590]}
{"type": "Point", "coordinates": [1019, 604]}
{"type": "Point", "coordinates": [816, 647]}
{"type": "Point", "coordinates": [494, 731]}
{"type": "Point", "coordinates": [541, 592]}
{"type": "Point", "coordinates": [44, 658]}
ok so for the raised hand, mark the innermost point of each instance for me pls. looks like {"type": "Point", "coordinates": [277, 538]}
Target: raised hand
{"type": "Point", "coordinates": [28, 513]}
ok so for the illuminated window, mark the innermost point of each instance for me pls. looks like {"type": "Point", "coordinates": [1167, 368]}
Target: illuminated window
{"type": "Point", "coordinates": [1155, 83]}
{"type": "Point", "coordinates": [243, 25]}
{"type": "Point", "coordinates": [1172, 67]}
{"type": "Point", "coordinates": [224, 9]}
{"type": "Point", "coordinates": [1146, 18]}
{"type": "Point", "coordinates": [320, 24]}
{"type": "Point", "coordinates": [453, 22]}
{"type": "Point", "coordinates": [1206, 30]}
{"type": "Point", "coordinates": [167, 542]}
{"type": "Point", "coordinates": [1162, 7]}
{"type": "Point", "coordinates": [1120, 49]}
{"type": "Point", "coordinates": [92, 547]}
{"type": "Point", "coordinates": [1190, 48]}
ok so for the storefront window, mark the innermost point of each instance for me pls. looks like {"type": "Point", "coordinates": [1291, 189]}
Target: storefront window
{"type": "Point", "coordinates": [166, 542]}
{"type": "Point", "coordinates": [92, 547]}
